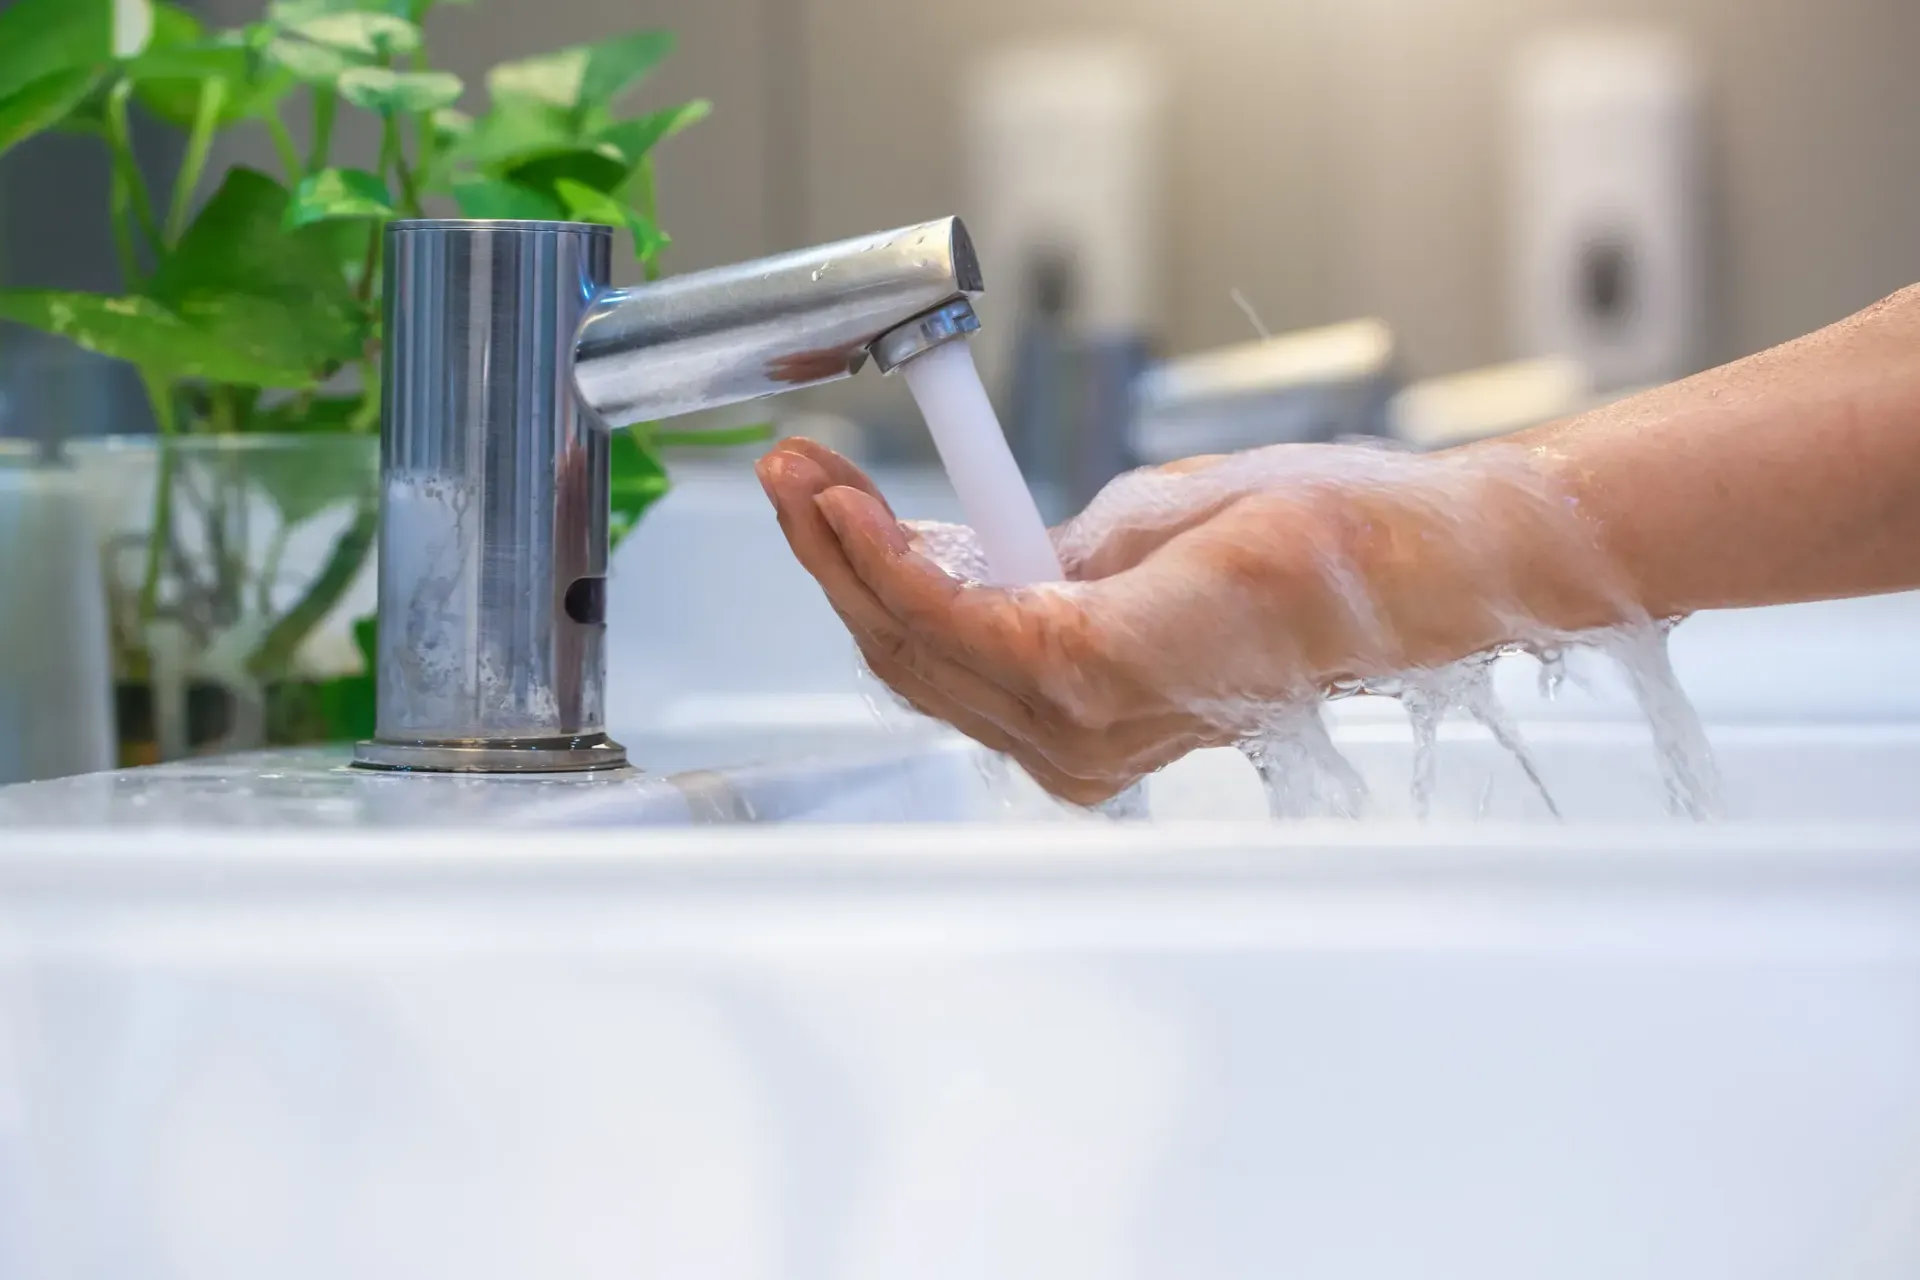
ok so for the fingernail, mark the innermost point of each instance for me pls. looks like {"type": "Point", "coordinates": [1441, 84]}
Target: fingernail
{"type": "Point", "coordinates": [767, 470]}
{"type": "Point", "coordinates": [851, 513]}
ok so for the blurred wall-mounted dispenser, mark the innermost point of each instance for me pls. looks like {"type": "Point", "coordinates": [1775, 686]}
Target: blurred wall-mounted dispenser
{"type": "Point", "coordinates": [1292, 388]}
{"type": "Point", "coordinates": [1061, 145]}
{"type": "Point", "coordinates": [1607, 206]}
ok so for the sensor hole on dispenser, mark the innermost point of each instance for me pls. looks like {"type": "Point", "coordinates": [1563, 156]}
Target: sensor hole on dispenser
{"type": "Point", "coordinates": [586, 601]}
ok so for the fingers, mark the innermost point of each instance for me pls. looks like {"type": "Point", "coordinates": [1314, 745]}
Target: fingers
{"type": "Point", "coordinates": [976, 627]}
{"type": "Point", "coordinates": [908, 584]}
{"type": "Point", "coordinates": [964, 655]}
{"type": "Point", "coordinates": [792, 482]}
{"type": "Point", "coordinates": [838, 470]}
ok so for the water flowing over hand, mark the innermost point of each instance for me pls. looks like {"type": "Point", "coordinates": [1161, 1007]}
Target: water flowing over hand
{"type": "Point", "coordinates": [1201, 596]}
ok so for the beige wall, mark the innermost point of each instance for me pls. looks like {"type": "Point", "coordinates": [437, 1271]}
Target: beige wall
{"type": "Point", "coordinates": [1329, 157]}
{"type": "Point", "coordinates": [1337, 157]}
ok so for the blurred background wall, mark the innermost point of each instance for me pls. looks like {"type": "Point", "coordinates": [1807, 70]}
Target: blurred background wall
{"type": "Point", "coordinates": [1329, 158]}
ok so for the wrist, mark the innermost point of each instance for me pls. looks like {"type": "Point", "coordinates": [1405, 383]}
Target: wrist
{"type": "Point", "coordinates": [1465, 551]}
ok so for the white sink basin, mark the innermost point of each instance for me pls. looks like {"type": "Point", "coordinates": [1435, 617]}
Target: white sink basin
{"type": "Point", "coordinates": [400, 1027]}
{"type": "Point", "coordinates": [856, 772]}
{"type": "Point", "coordinates": [1074, 1053]}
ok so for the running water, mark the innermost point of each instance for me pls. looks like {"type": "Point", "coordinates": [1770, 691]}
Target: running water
{"type": "Point", "coordinates": [999, 506]}
{"type": "Point", "coordinates": [1007, 544]}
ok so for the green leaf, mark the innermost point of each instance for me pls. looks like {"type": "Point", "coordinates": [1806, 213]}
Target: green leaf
{"type": "Point", "coordinates": [590, 205]}
{"type": "Point", "coordinates": [41, 38]}
{"type": "Point", "coordinates": [551, 79]}
{"type": "Point", "coordinates": [450, 127]}
{"type": "Point", "coordinates": [716, 438]}
{"type": "Point", "coordinates": [300, 415]}
{"type": "Point", "coordinates": [142, 332]}
{"type": "Point", "coordinates": [44, 104]}
{"type": "Point", "coordinates": [338, 193]}
{"type": "Point", "coordinates": [174, 27]}
{"type": "Point", "coordinates": [493, 198]}
{"type": "Point", "coordinates": [277, 295]}
{"type": "Point", "coordinates": [617, 64]}
{"type": "Point", "coordinates": [635, 138]}
{"type": "Point", "coordinates": [390, 92]}
{"type": "Point", "coordinates": [310, 63]}
{"type": "Point", "coordinates": [167, 81]}
{"type": "Point", "coordinates": [343, 241]}
{"type": "Point", "coordinates": [639, 481]}
{"type": "Point", "coordinates": [587, 205]}
{"type": "Point", "coordinates": [133, 22]}
{"type": "Point", "coordinates": [285, 12]}
{"type": "Point", "coordinates": [366, 35]}
{"type": "Point", "coordinates": [604, 170]}
{"type": "Point", "coordinates": [347, 705]}
{"type": "Point", "coordinates": [513, 132]}
{"type": "Point", "coordinates": [582, 76]}
{"type": "Point", "coordinates": [366, 638]}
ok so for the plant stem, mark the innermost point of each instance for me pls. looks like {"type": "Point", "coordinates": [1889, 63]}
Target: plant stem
{"type": "Point", "coordinates": [221, 411]}
{"type": "Point", "coordinates": [160, 396]}
{"type": "Point", "coordinates": [369, 267]}
{"type": "Point", "coordinates": [206, 118]}
{"type": "Point", "coordinates": [275, 653]}
{"type": "Point", "coordinates": [367, 417]}
{"type": "Point", "coordinates": [423, 121]}
{"type": "Point", "coordinates": [120, 142]}
{"type": "Point", "coordinates": [646, 202]}
{"type": "Point", "coordinates": [121, 216]}
{"type": "Point", "coordinates": [324, 103]}
{"type": "Point", "coordinates": [393, 155]}
{"type": "Point", "coordinates": [270, 570]}
{"type": "Point", "coordinates": [283, 143]}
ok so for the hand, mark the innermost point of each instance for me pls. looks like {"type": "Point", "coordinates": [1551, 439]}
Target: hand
{"type": "Point", "coordinates": [1199, 596]}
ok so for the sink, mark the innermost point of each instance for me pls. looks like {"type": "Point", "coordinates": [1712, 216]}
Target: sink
{"type": "Point", "coordinates": [837, 1002]}
{"type": "Point", "coordinates": [771, 775]}
{"type": "Point", "coordinates": [852, 769]}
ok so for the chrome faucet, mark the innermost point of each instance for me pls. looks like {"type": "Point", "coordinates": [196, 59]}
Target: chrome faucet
{"type": "Point", "coordinates": [507, 361]}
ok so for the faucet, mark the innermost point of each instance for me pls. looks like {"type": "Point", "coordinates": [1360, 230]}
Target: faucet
{"type": "Point", "coordinates": [508, 362]}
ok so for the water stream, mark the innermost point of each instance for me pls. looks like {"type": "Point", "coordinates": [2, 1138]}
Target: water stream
{"type": "Point", "coordinates": [1005, 543]}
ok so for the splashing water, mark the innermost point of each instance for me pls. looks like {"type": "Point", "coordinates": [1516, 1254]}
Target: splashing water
{"type": "Point", "coordinates": [1686, 760]}
{"type": "Point", "coordinates": [1302, 771]}
{"type": "Point", "coordinates": [1467, 685]}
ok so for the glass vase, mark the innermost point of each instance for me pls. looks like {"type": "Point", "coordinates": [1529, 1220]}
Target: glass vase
{"type": "Point", "coordinates": [240, 583]}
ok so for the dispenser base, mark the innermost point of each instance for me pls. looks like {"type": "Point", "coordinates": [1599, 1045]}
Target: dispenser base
{"type": "Point", "coordinates": [494, 755]}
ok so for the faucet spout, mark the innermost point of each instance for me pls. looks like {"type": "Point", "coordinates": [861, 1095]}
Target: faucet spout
{"type": "Point", "coordinates": [734, 333]}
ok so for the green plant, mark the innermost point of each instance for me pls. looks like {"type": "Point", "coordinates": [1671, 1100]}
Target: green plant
{"type": "Point", "coordinates": [257, 310]}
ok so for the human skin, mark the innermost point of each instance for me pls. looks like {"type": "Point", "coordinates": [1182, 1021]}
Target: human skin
{"type": "Point", "coordinates": [1199, 593]}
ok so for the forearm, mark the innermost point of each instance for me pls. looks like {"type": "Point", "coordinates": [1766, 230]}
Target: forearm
{"type": "Point", "coordinates": [1793, 475]}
